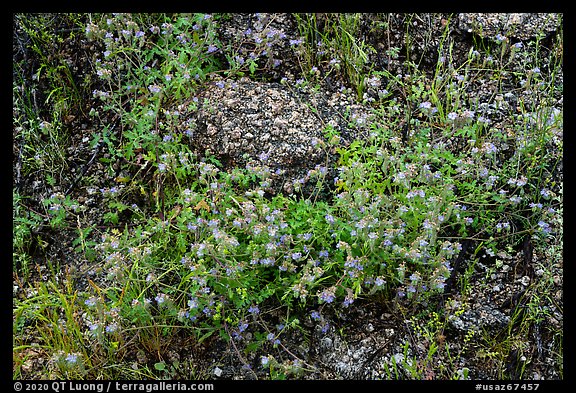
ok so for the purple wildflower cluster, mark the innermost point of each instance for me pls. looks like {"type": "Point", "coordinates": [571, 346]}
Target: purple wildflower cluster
{"type": "Point", "coordinates": [385, 229]}
{"type": "Point", "coordinates": [261, 45]}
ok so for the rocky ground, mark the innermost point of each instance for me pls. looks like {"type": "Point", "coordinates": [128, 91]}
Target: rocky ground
{"type": "Point", "coordinates": [243, 125]}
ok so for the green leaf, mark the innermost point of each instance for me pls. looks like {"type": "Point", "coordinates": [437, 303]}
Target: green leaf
{"type": "Point", "coordinates": [205, 336]}
{"type": "Point", "coordinates": [160, 366]}
{"type": "Point", "coordinates": [111, 217]}
{"type": "Point", "coordinates": [50, 180]}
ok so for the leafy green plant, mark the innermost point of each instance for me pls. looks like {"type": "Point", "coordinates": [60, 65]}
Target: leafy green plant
{"type": "Point", "coordinates": [24, 223]}
{"type": "Point", "coordinates": [59, 308]}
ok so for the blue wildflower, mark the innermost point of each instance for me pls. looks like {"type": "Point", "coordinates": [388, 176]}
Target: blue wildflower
{"type": "Point", "coordinates": [264, 360]}
{"type": "Point", "coordinates": [327, 296]}
{"type": "Point", "coordinates": [296, 255]}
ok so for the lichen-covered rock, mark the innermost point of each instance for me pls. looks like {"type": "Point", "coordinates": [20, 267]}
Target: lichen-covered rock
{"type": "Point", "coordinates": [246, 122]}
{"type": "Point", "coordinates": [483, 316]}
{"type": "Point", "coordinates": [523, 26]}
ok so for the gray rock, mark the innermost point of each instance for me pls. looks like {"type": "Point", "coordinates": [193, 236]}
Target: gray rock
{"type": "Point", "coordinates": [523, 26]}
{"type": "Point", "coordinates": [482, 317]}
{"type": "Point", "coordinates": [326, 343]}
{"type": "Point", "coordinates": [271, 125]}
